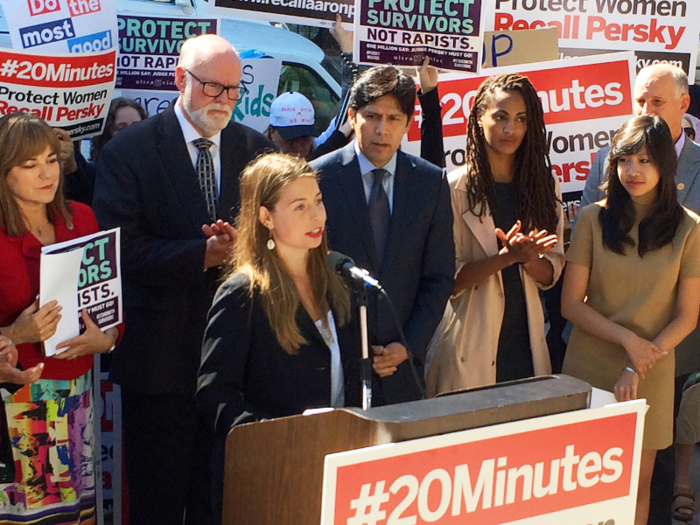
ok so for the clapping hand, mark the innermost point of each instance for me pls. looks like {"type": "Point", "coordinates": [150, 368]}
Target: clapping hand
{"type": "Point", "coordinates": [220, 238]}
{"type": "Point", "coordinates": [525, 248]}
{"type": "Point", "coordinates": [9, 373]}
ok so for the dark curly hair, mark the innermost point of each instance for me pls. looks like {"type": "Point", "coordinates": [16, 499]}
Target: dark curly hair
{"type": "Point", "coordinates": [535, 193]}
{"type": "Point", "coordinates": [617, 217]}
{"type": "Point", "coordinates": [100, 141]}
{"type": "Point", "coordinates": [384, 80]}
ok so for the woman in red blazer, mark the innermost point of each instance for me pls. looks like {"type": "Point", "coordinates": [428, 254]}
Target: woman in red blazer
{"type": "Point", "coordinates": [50, 421]}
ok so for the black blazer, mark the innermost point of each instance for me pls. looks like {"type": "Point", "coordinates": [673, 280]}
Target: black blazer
{"type": "Point", "coordinates": [147, 185]}
{"type": "Point", "coordinates": [247, 376]}
{"type": "Point", "coordinates": [419, 260]}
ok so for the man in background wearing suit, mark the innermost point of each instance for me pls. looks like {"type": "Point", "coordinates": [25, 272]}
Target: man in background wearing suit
{"type": "Point", "coordinates": [391, 213]}
{"type": "Point", "coordinates": [171, 184]}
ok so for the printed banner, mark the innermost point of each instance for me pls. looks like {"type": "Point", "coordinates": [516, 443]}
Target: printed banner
{"type": "Point", "coordinates": [72, 92]}
{"type": "Point", "coordinates": [579, 467]}
{"type": "Point", "coordinates": [403, 33]}
{"type": "Point", "coordinates": [61, 26]}
{"type": "Point", "coordinates": [149, 48]}
{"type": "Point", "coordinates": [319, 13]}
{"type": "Point", "coordinates": [96, 279]}
{"type": "Point", "coordinates": [261, 77]}
{"type": "Point", "coordinates": [585, 101]}
{"type": "Point", "coordinates": [656, 30]}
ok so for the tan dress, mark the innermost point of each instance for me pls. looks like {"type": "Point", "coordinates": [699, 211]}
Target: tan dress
{"type": "Point", "coordinates": [640, 294]}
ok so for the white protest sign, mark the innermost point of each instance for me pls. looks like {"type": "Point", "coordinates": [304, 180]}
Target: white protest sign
{"type": "Point", "coordinates": [579, 467]}
{"type": "Point", "coordinates": [61, 26]}
{"type": "Point", "coordinates": [59, 281]}
{"type": "Point", "coordinates": [656, 30]}
{"type": "Point", "coordinates": [72, 92]}
{"type": "Point", "coordinates": [403, 33]}
{"type": "Point", "coordinates": [261, 78]}
{"type": "Point", "coordinates": [91, 282]}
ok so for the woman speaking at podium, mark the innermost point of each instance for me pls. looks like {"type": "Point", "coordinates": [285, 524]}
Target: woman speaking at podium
{"type": "Point", "coordinates": [632, 285]}
{"type": "Point", "coordinates": [279, 338]}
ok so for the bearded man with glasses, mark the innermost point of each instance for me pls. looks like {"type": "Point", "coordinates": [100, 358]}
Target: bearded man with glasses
{"type": "Point", "coordinates": [171, 184]}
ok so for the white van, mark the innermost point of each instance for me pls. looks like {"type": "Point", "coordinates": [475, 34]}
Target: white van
{"type": "Point", "coordinates": [302, 68]}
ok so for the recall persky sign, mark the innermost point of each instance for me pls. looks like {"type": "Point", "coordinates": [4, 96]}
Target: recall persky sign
{"type": "Point", "coordinates": [403, 32]}
{"type": "Point", "coordinates": [319, 13]}
{"type": "Point", "coordinates": [72, 92]}
{"type": "Point", "coordinates": [657, 30]}
{"type": "Point", "coordinates": [149, 48]}
{"type": "Point", "coordinates": [61, 26]}
{"type": "Point", "coordinates": [585, 101]}
{"type": "Point", "coordinates": [577, 468]}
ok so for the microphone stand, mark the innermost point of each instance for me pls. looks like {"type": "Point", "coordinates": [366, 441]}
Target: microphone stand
{"type": "Point", "coordinates": [360, 295]}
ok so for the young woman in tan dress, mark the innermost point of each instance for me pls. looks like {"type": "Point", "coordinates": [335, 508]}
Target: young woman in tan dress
{"type": "Point", "coordinates": [632, 285]}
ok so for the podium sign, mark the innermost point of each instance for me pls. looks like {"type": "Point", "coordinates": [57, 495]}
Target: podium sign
{"type": "Point", "coordinates": [578, 467]}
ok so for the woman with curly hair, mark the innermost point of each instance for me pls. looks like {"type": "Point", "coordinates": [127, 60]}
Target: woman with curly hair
{"type": "Point", "coordinates": [505, 202]}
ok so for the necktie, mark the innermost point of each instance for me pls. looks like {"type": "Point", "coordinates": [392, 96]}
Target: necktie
{"type": "Point", "coordinates": [379, 212]}
{"type": "Point", "coordinates": [207, 178]}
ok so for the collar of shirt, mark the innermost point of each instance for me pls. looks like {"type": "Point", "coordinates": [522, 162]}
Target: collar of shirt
{"type": "Point", "coordinates": [366, 168]}
{"type": "Point", "coordinates": [190, 134]}
{"type": "Point", "coordinates": [679, 144]}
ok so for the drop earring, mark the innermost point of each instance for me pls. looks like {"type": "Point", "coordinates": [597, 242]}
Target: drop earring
{"type": "Point", "coordinates": [270, 242]}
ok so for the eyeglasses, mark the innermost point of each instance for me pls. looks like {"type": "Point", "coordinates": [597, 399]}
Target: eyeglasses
{"type": "Point", "coordinates": [690, 132]}
{"type": "Point", "coordinates": [214, 89]}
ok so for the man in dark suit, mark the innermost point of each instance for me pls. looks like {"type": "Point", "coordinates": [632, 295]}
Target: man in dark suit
{"type": "Point", "coordinates": [391, 212]}
{"type": "Point", "coordinates": [171, 184]}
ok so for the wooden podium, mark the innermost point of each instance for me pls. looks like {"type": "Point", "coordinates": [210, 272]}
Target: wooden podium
{"type": "Point", "coordinates": [271, 463]}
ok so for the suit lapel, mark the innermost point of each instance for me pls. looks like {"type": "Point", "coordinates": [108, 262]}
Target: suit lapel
{"type": "Point", "coordinates": [178, 164]}
{"type": "Point", "coordinates": [403, 204]}
{"type": "Point", "coordinates": [229, 197]}
{"type": "Point", "coordinates": [688, 168]}
{"type": "Point", "coordinates": [483, 229]}
{"type": "Point", "coordinates": [351, 181]}
{"type": "Point", "coordinates": [307, 327]}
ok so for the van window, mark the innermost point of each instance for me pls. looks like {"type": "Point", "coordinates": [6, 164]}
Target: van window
{"type": "Point", "coordinates": [296, 77]}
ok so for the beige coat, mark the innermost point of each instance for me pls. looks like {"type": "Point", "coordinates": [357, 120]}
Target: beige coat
{"type": "Point", "coordinates": [466, 343]}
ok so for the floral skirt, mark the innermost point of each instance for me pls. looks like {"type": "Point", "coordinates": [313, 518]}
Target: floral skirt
{"type": "Point", "coordinates": [51, 431]}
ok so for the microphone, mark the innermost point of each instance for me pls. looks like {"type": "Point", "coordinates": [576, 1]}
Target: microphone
{"type": "Point", "coordinates": [345, 266]}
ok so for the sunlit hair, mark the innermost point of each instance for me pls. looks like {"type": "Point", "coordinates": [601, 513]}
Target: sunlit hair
{"type": "Point", "coordinates": [22, 137]}
{"type": "Point", "coordinates": [262, 184]}
{"type": "Point", "coordinates": [379, 81]}
{"type": "Point", "coordinates": [617, 217]}
{"type": "Point", "coordinates": [99, 142]}
{"type": "Point", "coordinates": [535, 193]}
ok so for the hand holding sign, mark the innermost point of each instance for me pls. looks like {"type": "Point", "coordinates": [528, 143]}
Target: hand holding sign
{"type": "Point", "coordinates": [35, 324]}
{"type": "Point", "coordinates": [91, 341]}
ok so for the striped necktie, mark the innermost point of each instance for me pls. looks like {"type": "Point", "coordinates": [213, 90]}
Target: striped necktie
{"type": "Point", "coordinates": [207, 177]}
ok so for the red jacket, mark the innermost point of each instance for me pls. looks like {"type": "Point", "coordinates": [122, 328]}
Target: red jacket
{"type": "Point", "coordinates": [19, 286]}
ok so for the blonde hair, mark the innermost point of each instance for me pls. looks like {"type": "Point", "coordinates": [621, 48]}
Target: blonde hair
{"type": "Point", "coordinates": [24, 136]}
{"type": "Point", "coordinates": [262, 183]}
